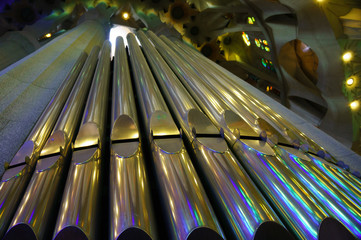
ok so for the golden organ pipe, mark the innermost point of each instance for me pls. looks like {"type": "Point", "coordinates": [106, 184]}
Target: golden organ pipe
{"type": "Point", "coordinates": [296, 205]}
{"type": "Point", "coordinates": [80, 207]}
{"type": "Point", "coordinates": [131, 213]}
{"type": "Point", "coordinates": [230, 184]}
{"type": "Point", "coordinates": [17, 176]}
{"type": "Point", "coordinates": [230, 82]}
{"type": "Point", "coordinates": [38, 207]}
{"type": "Point", "coordinates": [187, 208]}
{"type": "Point", "coordinates": [333, 199]}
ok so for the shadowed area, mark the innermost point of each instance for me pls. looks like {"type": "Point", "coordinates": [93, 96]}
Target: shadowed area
{"type": "Point", "coordinates": [20, 231]}
{"type": "Point", "coordinates": [204, 233]}
{"type": "Point", "coordinates": [71, 232]}
{"type": "Point", "coordinates": [331, 229]}
{"type": "Point", "coordinates": [134, 233]}
{"type": "Point", "coordinates": [272, 231]}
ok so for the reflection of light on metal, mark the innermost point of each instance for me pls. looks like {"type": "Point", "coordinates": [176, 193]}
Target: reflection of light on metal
{"type": "Point", "coordinates": [346, 57]}
{"type": "Point", "coordinates": [125, 15]}
{"type": "Point", "coordinates": [349, 81]}
{"type": "Point", "coordinates": [48, 35]}
{"type": "Point", "coordinates": [120, 31]}
{"type": "Point", "coordinates": [246, 39]}
{"type": "Point", "coordinates": [354, 105]}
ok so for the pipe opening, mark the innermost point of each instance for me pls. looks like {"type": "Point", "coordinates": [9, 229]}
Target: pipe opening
{"type": "Point", "coordinates": [204, 233]}
{"type": "Point", "coordinates": [71, 232]}
{"type": "Point", "coordinates": [20, 231]}
{"type": "Point", "coordinates": [272, 231]}
{"type": "Point", "coordinates": [134, 233]}
{"type": "Point", "coordinates": [332, 229]}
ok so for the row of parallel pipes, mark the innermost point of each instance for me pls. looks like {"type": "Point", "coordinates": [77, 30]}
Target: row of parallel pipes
{"type": "Point", "coordinates": [183, 138]}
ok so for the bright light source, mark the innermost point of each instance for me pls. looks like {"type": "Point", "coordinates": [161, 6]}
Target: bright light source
{"type": "Point", "coordinates": [319, 0]}
{"type": "Point", "coordinates": [349, 81]}
{"type": "Point", "coordinates": [347, 56]}
{"type": "Point", "coordinates": [125, 15]}
{"type": "Point", "coordinates": [354, 105]}
{"type": "Point", "coordinates": [122, 31]}
{"type": "Point", "coordinates": [48, 35]}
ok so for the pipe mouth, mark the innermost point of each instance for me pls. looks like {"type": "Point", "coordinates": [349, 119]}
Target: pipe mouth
{"type": "Point", "coordinates": [71, 232]}
{"type": "Point", "coordinates": [134, 233]}
{"type": "Point", "coordinates": [272, 231]}
{"type": "Point", "coordinates": [20, 231]}
{"type": "Point", "coordinates": [204, 233]}
{"type": "Point", "coordinates": [332, 229]}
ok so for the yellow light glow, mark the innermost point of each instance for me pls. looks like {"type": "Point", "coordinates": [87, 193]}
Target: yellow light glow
{"type": "Point", "coordinates": [48, 35]}
{"type": "Point", "coordinates": [354, 105]}
{"type": "Point", "coordinates": [125, 15]}
{"type": "Point", "coordinates": [319, 0]}
{"type": "Point", "coordinates": [246, 39]}
{"type": "Point", "coordinates": [347, 56]}
{"type": "Point", "coordinates": [349, 81]}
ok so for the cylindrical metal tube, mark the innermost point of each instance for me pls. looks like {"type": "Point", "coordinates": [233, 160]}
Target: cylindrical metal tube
{"type": "Point", "coordinates": [16, 178]}
{"type": "Point", "coordinates": [223, 173]}
{"type": "Point", "coordinates": [276, 181]}
{"type": "Point", "coordinates": [212, 103]}
{"type": "Point", "coordinates": [324, 192]}
{"type": "Point", "coordinates": [131, 213]}
{"type": "Point", "coordinates": [187, 208]}
{"type": "Point", "coordinates": [38, 207]}
{"type": "Point", "coordinates": [339, 203]}
{"type": "Point", "coordinates": [229, 82]}
{"type": "Point", "coordinates": [79, 211]}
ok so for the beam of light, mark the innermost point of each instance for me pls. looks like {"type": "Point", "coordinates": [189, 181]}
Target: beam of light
{"type": "Point", "coordinates": [122, 31]}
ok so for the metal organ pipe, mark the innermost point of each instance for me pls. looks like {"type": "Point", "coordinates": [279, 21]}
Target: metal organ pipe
{"type": "Point", "coordinates": [259, 170]}
{"type": "Point", "coordinates": [16, 177]}
{"type": "Point", "coordinates": [247, 212]}
{"type": "Point", "coordinates": [79, 212]}
{"type": "Point", "coordinates": [131, 213]}
{"type": "Point", "coordinates": [37, 210]}
{"type": "Point", "coordinates": [333, 199]}
{"type": "Point", "coordinates": [187, 208]}
{"type": "Point", "coordinates": [229, 81]}
{"type": "Point", "coordinates": [297, 206]}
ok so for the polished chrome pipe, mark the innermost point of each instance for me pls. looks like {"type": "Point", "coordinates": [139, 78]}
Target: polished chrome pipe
{"type": "Point", "coordinates": [79, 211]}
{"type": "Point", "coordinates": [37, 209]}
{"type": "Point", "coordinates": [298, 207]}
{"type": "Point", "coordinates": [343, 206]}
{"type": "Point", "coordinates": [17, 175]}
{"type": "Point", "coordinates": [229, 81]}
{"type": "Point", "coordinates": [243, 206]}
{"type": "Point", "coordinates": [131, 210]}
{"type": "Point", "coordinates": [332, 198]}
{"type": "Point", "coordinates": [188, 211]}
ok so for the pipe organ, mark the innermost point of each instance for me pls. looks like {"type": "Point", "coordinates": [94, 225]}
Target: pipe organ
{"type": "Point", "coordinates": [162, 143]}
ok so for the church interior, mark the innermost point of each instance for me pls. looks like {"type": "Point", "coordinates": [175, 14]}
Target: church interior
{"type": "Point", "coordinates": [180, 119]}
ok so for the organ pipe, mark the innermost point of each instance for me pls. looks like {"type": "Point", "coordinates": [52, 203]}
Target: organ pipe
{"type": "Point", "coordinates": [131, 211]}
{"type": "Point", "coordinates": [37, 208]}
{"type": "Point", "coordinates": [16, 177]}
{"type": "Point", "coordinates": [287, 193]}
{"type": "Point", "coordinates": [79, 211]}
{"type": "Point", "coordinates": [247, 212]}
{"type": "Point", "coordinates": [265, 179]}
{"type": "Point", "coordinates": [187, 209]}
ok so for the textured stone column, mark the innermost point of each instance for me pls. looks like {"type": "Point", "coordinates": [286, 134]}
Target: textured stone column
{"type": "Point", "coordinates": [14, 45]}
{"type": "Point", "coordinates": [27, 85]}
